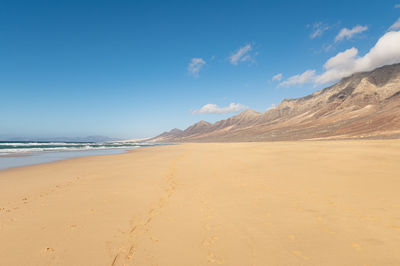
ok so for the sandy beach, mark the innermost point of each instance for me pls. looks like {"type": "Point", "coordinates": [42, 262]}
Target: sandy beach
{"type": "Point", "coordinates": [282, 203]}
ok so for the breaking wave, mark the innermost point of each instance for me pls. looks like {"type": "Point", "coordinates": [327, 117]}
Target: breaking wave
{"type": "Point", "coordinates": [10, 147]}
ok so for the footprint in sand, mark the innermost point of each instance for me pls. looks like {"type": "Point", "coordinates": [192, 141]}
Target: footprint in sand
{"type": "Point", "coordinates": [356, 246]}
{"type": "Point", "coordinates": [214, 258]}
{"type": "Point", "coordinates": [148, 221]}
{"type": "Point", "coordinates": [48, 250]}
{"type": "Point", "coordinates": [300, 254]}
{"type": "Point", "coordinates": [155, 239]}
{"type": "Point", "coordinates": [130, 252]}
{"type": "Point", "coordinates": [210, 241]}
{"type": "Point", "coordinates": [49, 254]}
{"type": "Point", "coordinates": [116, 258]}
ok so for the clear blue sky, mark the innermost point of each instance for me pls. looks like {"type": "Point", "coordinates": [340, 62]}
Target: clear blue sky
{"type": "Point", "coordinates": [122, 68]}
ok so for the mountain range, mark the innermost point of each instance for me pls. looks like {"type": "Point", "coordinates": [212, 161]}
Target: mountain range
{"type": "Point", "coordinates": [364, 105]}
{"type": "Point", "coordinates": [94, 138]}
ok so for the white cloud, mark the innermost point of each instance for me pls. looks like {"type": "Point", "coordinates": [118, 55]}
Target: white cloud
{"type": "Point", "coordinates": [385, 52]}
{"type": "Point", "coordinates": [241, 55]}
{"type": "Point", "coordinates": [277, 77]}
{"type": "Point", "coordinates": [318, 29]}
{"type": "Point", "coordinates": [341, 58]}
{"type": "Point", "coordinates": [346, 33]}
{"type": "Point", "coordinates": [195, 65]}
{"type": "Point", "coordinates": [299, 79]}
{"type": "Point", "coordinates": [397, 6]}
{"type": "Point", "coordinates": [339, 66]}
{"type": "Point", "coordinates": [215, 109]}
{"type": "Point", "coordinates": [395, 25]}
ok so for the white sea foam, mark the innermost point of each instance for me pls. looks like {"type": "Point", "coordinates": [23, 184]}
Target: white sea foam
{"type": "Point", "coordinates": [34, 147]}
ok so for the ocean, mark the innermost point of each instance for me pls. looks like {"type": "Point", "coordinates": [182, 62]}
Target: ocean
{"type": "Point", "coordinates": [23, 153]}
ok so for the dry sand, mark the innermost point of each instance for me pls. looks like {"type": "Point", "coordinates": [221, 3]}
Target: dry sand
{"type": "Point", "coordinates": [284, 203]}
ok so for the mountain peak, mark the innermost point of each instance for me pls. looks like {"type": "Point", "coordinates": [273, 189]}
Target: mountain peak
{"type": "Point", "coordinates": [199, 127]}
{"type": "Point", "coordinates": [202, 122]}
{"type": "Point", "coordinates": [249, 113]}
{"type": "Point", "coordinates": [175, 130]}
{"type": "Point", "coordinates": [246, 115]}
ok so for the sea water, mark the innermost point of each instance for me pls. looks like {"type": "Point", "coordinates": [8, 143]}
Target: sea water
{"type": "Point", "coordinates": [23, 153]}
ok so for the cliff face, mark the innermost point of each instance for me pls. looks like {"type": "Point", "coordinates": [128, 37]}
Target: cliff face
{"type": "Point", "coordinates": [360, 106]}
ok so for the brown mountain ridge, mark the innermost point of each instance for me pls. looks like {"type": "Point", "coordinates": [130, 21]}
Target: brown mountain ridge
{"type": "Point", "coordinates": [364, 105]}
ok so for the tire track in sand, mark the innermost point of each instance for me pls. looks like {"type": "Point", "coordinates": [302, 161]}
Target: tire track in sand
{"type": "Point", "coordinates": [126, 252]}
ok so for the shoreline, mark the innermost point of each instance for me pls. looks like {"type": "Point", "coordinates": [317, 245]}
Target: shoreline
{"type": "Point", "coordinates": [53, 162]}
{"type": "Point", "coordinates": [14, 155]}
{"type": "Point", "coordinates": [45, 157]}
{"type": "Point", "coordinates": [289, 203]}
{"type": "Point", "coordinates": [123, 151]}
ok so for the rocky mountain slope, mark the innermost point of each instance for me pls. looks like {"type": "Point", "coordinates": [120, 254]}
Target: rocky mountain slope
{"type": "Point", "coordinates": [364, 105]}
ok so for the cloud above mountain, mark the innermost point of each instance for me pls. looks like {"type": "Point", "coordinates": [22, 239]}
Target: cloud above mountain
{"type": "Point", "coordinates": [385, 52]}
{"type": "Point", "coordinates": [346, 33]}
{"type": "Point", "coordinates": [306, 77]}
{"type": "Point", "coordinates": [215, 109]}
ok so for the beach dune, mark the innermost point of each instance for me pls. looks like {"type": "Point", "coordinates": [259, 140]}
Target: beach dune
{"type": "Point", "coordinates": [279, 203]}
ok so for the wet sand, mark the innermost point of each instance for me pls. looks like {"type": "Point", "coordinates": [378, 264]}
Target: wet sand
{"type": "Point", "coordinates": [282, 203]}
{"type": "Point", "coordinates": [14, 155]}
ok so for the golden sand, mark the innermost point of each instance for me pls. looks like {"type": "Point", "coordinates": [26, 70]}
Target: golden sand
{"type": "Point", "coordinates": [284, 203]}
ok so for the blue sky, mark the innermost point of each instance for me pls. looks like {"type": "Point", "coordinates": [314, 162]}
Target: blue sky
{"type": "Point", "coordinates": [132, 69]}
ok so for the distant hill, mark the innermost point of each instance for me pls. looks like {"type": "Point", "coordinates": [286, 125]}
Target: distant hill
{"type": "Point", "coordinates": [64, 139]}
{"type": "Point", "coordinates": [364, 105]}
